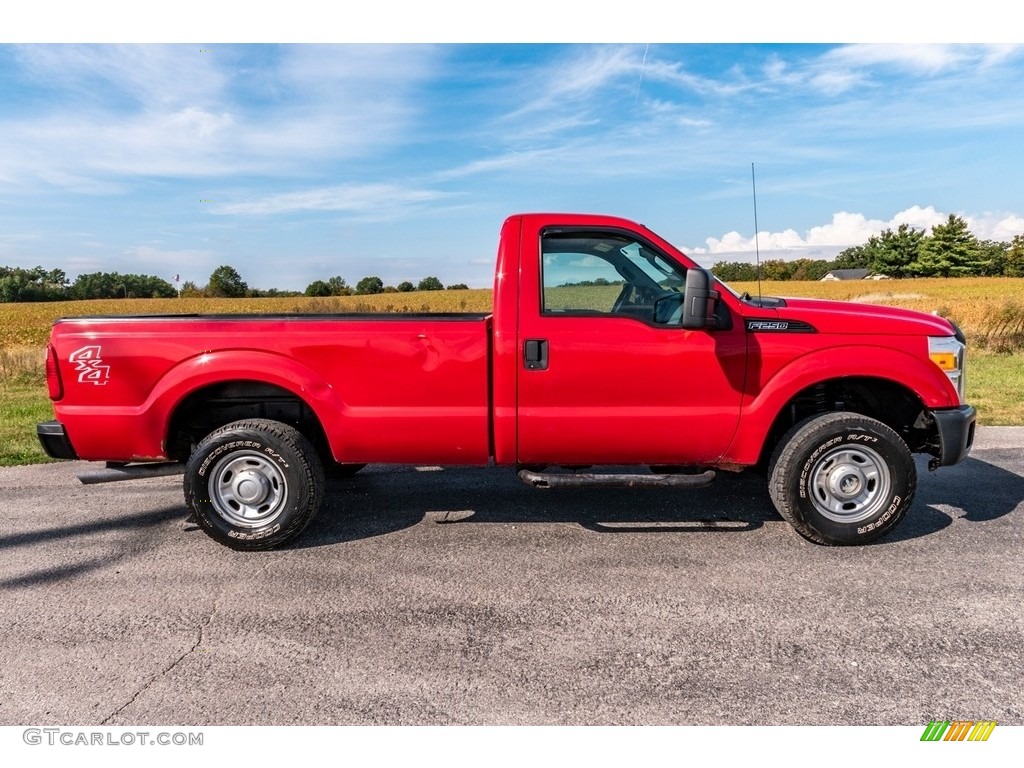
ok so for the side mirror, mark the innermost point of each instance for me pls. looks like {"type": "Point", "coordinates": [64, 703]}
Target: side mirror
{"type": "Point", "coordinates": [699, 300]}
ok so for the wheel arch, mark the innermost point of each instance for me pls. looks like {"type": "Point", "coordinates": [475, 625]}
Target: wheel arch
{"type": "Point", "coordinates": [204, 393]}
{"type": "Point", "coordinates": [212, 406]}
{"type": "Point", "coordinates": [891, 402]}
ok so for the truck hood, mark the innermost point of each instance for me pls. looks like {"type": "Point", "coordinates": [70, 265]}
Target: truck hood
{"type": "Point", "coordinates": [846, 317]}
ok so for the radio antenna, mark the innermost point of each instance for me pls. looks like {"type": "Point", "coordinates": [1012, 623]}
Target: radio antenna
{"type": "Point", "coordinates": [757, 250]}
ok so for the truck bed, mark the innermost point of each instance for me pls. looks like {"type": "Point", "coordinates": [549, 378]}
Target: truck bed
{"type": "Point", "coordinates": [385, 387]}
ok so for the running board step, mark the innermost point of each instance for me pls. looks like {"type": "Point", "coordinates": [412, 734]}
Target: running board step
{"type": "Point", "coordinates": [117, 472]}
{"type": "Point", "coordinates": [566, 480]}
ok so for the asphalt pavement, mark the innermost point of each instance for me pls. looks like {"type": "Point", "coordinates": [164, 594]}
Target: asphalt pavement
{"type": "Point", "coordinates": [433, 596]}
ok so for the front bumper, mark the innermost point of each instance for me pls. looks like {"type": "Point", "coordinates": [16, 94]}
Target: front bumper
{"type": "Point", "coordinates": [54, 439]}
{"type": "Point", "coordinates": [956, 434]}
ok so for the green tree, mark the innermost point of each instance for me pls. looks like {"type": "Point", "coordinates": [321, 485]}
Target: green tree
{"type": "Point", "coordinates": [1013, 263]}
{"type": "Point", "coordinates": [93, 285]}
{"type": "Point", "coordinates": [856, 257]}
{"type": "Point", "coordinates": [227, 283]}
{"type": "Point", "coordinates": [992, 255]}
{"type": "Point", "coordinates": [458, 287]}
{"type": "Point", "coordinates": [56, 282]}
{"type": "Point", "coordinates": [951, 251]}
{"type": "Point", "coordinates": [338, 286]}
{"type": "Point", "coordinates": [809, 269]}
{"type": "Point", "coordinates": [35, 284]}
{"type": "Point", "coordinates": [369, 285]}
{"type": "Point", "coordinates": [775, 269]}
{"type": "Point", "coordinates": [318, 288]}
{"type": "Point", "coordinates": [190, 290]}
{"type": "Point", "coordinates": [405, 287]}
{"type": "Point", "coordinates": [894, 253]}
{"type": "Point", "coordinates": [734, 271]}
{"type": "Point", "coordinates": [430, 284]}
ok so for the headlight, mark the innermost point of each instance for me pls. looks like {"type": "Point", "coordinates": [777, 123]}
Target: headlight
{"type": "Point", "coordinates": [948, 353]}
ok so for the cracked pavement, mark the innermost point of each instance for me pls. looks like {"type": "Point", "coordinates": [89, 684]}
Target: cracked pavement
{"type": "Point", "coordinates": [462, 596]}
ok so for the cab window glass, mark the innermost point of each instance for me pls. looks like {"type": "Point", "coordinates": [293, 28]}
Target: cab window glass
{"type": "Point", "coordinates": [604, 273]}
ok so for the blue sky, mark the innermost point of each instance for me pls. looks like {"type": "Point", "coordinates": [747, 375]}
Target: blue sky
{"type": "Point", "coordinates": [299, 162]}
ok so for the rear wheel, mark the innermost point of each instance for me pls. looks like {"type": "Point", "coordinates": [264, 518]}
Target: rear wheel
{"type": "Point", "coordinates": [254, 484]}
{"type": "Point", "coordinates": [842, 478]}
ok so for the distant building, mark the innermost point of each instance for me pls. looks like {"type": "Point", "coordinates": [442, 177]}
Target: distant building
{"type": "Point", "coordinates": [853, 274]}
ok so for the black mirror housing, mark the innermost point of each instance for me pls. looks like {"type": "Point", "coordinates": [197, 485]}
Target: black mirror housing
{"type": "Point", "coordinates": [699, 300]}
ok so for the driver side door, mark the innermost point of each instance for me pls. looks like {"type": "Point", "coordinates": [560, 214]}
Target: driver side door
{"type": "Point", "coordinates": [600, 381]}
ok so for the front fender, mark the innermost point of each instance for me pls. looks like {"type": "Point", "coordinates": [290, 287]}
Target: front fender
{"type": "Point", "coordinates": [918, 374]}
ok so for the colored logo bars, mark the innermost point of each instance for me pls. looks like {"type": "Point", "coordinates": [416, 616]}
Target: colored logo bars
{"type": "Point", "coordinates": [958, 730]}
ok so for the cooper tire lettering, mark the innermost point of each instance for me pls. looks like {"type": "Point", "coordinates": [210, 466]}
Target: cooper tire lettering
{"type": "Point", "coordinates": [842, 478]}
{"type": "Point", "coordinates": [254, 484]}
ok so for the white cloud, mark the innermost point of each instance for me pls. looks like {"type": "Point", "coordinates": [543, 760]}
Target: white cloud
{"type": "Point", "coordinates": [916, 217]}
{"type": "Point", "coordinates": [845, 229]}
{"type": "Point", "coordinates": [168, 260]}
{"type": "Point", "coordinates": [570, 79]}
{"type": "Point", "coordinates": [510, 161]}
{"type": "Point", "coordinates": [577, 81]}
{"type": "Point", "coordinates": [921, 59]}
{"type": "Point", "coordinates": [844, 68]}
{"type": "Point", "coordinates": [155, 76]}
{"type": "Point", "coordinates": [117, 113]}
{"type": "Point", "coordinates": [376, 200]}
{"type": "Point", "coordinates": [850, 229]}
{"type": "Point", "coordinates": [1001, 227]}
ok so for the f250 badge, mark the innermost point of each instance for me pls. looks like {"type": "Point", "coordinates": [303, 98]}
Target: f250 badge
{"type": "Point", "coordinates": [89, 364]}
{"type": "Point", "coordinates": [778, 326]}
{"type": "Point", "coordinates": [767, 325]}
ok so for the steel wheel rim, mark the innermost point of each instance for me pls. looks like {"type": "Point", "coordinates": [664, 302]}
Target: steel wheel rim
{"type": "Point", "coordinates": [850, 484]}
{"type": "Point", "coordinates": [248, 490]}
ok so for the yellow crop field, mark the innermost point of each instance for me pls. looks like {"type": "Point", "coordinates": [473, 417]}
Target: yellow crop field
{"type": "Point", "coordinates": [29, 324]}
{"type": "Point", "coordinates": [969, 300]}
{"type": "Point", "coordinates": [972, 302]}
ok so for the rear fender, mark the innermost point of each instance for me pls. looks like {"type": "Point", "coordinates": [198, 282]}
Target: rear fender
{"type": "Point", "coordinates": [244, 365]}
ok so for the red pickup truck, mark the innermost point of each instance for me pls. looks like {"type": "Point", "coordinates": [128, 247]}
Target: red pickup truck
{"type": "Point", "coordinates": [610, 358]}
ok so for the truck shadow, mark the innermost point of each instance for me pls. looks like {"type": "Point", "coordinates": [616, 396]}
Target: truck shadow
{"type": "Point", "coordinates": [383, 500]}
{"type": "Point", "coordinates": [120, 537]}
{"type": "Point", "coordinates": [974, 490]}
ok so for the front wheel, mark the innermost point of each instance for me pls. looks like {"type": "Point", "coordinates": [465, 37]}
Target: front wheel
{"type": "Point", "coordinates": [254, 484]}
{"type": "Point", "coordinates": [842, 478]}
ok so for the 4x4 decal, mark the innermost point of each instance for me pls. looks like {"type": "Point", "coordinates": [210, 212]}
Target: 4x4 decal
{"type": "Point", "coordinates": [89, 364]}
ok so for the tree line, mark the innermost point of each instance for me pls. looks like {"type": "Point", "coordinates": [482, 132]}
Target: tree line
{"type": "Point", "coordinates": [38, 284]}
{"type": "Point", "coordinates": [951, 250]}
{"type": "Point", "coordinates": [18, 284]}
{"type": "Point", "coordinates": [337, 286]}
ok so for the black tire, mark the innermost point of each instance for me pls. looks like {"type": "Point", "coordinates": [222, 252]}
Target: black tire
{"type": "Point", "coordinates": [254, 484]}
{"type": "Point", "coordinates": [842, 478]}
{"type": "Point", "coordinates": [336, 471]}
